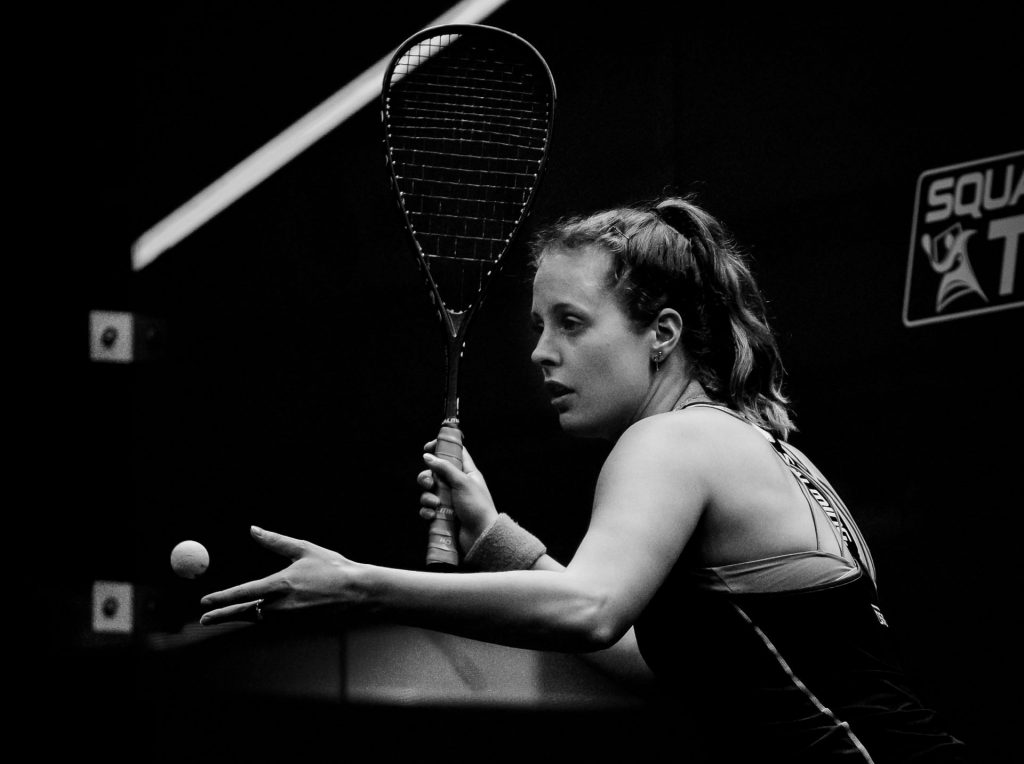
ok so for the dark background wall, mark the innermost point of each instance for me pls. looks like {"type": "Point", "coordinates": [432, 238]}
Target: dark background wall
{"type": "Point", "coordinates": [302, 370]}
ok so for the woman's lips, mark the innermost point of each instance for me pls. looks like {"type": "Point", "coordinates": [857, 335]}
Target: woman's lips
{"type": "Point", "coordinates": [557, 391]}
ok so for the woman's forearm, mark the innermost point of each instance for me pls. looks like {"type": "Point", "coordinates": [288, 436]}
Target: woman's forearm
{"type": "Point", "coordinates": [537, 609]}
{"type": "Point", "coordinates": [531, 624]}
{"type": "Point", "coordinates": [622, 661]}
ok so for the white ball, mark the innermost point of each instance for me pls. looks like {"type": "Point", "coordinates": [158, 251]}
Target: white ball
{"type": "Point", "coordinates": [189, 559]}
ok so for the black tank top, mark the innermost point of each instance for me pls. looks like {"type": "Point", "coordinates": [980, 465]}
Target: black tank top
{"type": "Point", "coordinates": [789, 674]}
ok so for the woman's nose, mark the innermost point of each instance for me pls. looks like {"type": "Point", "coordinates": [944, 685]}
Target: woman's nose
{"type": "Point", "coordinates": [543, 354]}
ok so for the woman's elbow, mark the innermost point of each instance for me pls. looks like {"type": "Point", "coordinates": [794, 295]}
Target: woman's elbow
{"type": "Point", "coordinates": [599, 626]}
{"type": "Point", "coordinates": [601, 637]}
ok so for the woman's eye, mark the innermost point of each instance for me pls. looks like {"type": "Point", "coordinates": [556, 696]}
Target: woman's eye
{"type": "Point", "coordinates": [565, 323]}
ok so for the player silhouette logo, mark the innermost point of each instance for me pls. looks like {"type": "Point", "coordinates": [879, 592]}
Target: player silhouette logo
{"type": "Point", "coordinates": [947, 254]}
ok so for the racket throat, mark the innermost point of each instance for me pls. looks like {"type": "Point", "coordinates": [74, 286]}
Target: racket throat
{"type": "Point", "coordinates": [453, 324]}
{"type": "Point", "coordinates": [451, 389]}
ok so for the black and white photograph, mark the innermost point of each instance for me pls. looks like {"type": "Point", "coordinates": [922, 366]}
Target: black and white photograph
{"type": "Point", "coordinates": [508, 380]}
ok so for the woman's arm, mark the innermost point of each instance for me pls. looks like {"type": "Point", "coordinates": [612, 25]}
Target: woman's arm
{"type": "Point", "coordinates": [540, 610]}
{"type": "Point", "coordinates": [648, 501]}
{"type": "Point", "coordinates": [622, 661]}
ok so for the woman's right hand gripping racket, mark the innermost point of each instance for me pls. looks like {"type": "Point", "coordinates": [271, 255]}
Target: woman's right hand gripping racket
{"type": "Point", "coordinates": [467, 112]}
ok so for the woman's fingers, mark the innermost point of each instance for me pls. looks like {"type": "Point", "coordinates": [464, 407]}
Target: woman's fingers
{"type": "Point", "coordinates": [247, 592]}
{"type": "Point", "coordinates": [444, 469]}
{"type": "Point", "coordinates": [268, 586]}
{"type": "Point", "coordinates": [428, 499]}
{"type": "Point", "coordinates": [244, 611]}
{"type": "Point", "coordinates": [285, 546]}
{"type": "Point", "coordinates": [468, 465]}
{"type": "Point", "coordinates": [312, 579]}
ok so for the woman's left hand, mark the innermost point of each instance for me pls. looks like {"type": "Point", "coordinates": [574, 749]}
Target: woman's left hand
{"type": "Point", "coordinates": [317, 577]}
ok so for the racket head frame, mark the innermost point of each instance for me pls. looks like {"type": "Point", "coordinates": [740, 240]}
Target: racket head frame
{"type": "Point", "coordinates": [455, 322]}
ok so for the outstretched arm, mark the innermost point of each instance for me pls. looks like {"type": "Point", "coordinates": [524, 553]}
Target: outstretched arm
{"type": "Point", "coordinates": [648, 500]}
{"type": "Point", "coordinates": [542, 610]}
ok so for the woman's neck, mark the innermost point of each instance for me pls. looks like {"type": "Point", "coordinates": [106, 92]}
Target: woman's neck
{"type": "Point", "coordinates": [692, 391]}
{"type": "Point", "coordinates": [670, 393]}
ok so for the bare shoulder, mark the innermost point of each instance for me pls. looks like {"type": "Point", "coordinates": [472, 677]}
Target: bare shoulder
{"type": "Point", "coordinates": [696, 432]}
{"type": "Point", "coordinates": [685, 446]}
{"type": "Point", "coordinates": [649, 498]}
{"type": "Point", "coordinates": [662, 455]}
{"type": "Point", "coordinates": [706, 447]}
{"type": "Point", "coordinates": [670, 437]}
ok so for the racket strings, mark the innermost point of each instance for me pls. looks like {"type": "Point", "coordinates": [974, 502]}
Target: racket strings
{"type": "Point", "coordinates": [484, 137]}
{"type": "Point", "coordinates": [467, 130]}
{"type": "Point", "coordinates": [498, 115]}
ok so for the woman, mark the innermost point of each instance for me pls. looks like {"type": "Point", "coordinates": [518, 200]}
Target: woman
{"type": "Point", "coordinates": [749, 586]}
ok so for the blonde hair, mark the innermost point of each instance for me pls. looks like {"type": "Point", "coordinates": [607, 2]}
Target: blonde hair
{"type": "Point", "coordinates": [670, 253]}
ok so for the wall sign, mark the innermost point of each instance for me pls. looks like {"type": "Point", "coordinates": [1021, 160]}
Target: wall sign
{"type": "Point", "coordinates": [967, 232]}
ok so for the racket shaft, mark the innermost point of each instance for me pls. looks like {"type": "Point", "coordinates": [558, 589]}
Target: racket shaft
{"type": "Point", "coordinates": [442, 539]}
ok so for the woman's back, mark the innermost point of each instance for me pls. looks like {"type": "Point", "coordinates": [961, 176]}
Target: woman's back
{"type": "Point", "coordinates": [757, 508]}
{"type": "Point", "coordinates": [778, 643]}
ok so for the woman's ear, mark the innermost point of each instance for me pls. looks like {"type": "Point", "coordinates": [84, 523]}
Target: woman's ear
{"type": "Point", "coordinates": [668, 330]}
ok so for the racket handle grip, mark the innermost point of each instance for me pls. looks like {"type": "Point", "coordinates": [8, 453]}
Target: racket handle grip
{"type": "Point", "coordinates": [443, 536]}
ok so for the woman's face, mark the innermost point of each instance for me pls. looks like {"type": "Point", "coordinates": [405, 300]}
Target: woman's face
{"type": "Point", "coordinates": [596, 364]}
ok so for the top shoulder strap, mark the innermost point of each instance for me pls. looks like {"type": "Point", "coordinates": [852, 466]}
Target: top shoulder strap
{"type": "Point", "coordinates": [831, 504]}
{"type": "Point", "coordinates": [833, 507]}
